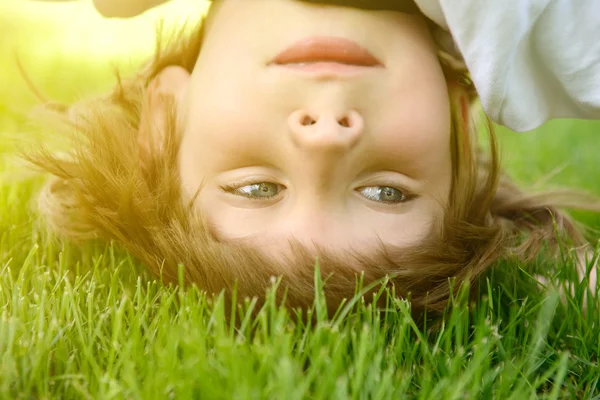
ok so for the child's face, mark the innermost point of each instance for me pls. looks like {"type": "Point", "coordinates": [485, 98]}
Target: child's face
{"type": "Point", "coordinates": [341, 160]}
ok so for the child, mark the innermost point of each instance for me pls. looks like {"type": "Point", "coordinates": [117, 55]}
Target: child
{"type": "Point", "coordinates": [281, 132]}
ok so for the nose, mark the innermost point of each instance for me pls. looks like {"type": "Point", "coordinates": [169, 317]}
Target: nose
{"type": "Point", "coordinates": [325, 130]}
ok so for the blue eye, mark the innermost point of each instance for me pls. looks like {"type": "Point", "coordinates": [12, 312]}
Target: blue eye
{"type": "Point", "coordinates": [259, 191]}
{"type": "Point", "coordinates": [384, 194]}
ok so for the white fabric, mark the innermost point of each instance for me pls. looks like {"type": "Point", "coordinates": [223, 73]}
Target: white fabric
{"type": "Point", "coordinates": [530, 60]}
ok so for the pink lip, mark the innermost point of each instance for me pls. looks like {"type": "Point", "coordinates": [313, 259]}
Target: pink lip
{"type": "Point", "coordinates": [326, 53]}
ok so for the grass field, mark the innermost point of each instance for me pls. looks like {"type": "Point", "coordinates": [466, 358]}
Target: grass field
{"type": "Point", "coordinates": [85, 322]}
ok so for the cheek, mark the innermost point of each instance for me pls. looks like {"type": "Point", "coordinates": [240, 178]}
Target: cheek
{"type": "Point", "coordinates": [415, 119]}
{"type": "Point", "coordinates": [225, 128]}
{"type": "Point", "coordinates": [417, 136]}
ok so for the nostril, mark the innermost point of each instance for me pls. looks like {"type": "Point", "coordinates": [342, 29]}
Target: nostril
{"type": "Point", "coordinates": [345, 122]}
{"type": "Point", "coordinates": [307, 120]}
{"type": "Point", "coordinates": [325, 130]}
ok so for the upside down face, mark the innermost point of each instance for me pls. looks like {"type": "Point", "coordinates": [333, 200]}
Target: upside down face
{"type": "Point", "coordinates": [327, 125]}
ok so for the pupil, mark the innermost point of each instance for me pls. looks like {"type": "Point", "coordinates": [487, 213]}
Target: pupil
{"type": "Point", "coordinates": [264, 188]}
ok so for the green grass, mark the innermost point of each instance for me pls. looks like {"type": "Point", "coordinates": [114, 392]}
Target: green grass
{"type": "Point", "coordinates": [86, 322]}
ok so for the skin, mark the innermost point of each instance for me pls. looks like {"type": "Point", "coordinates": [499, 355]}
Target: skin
{"type": "Point", "coordinates": [344, 162]}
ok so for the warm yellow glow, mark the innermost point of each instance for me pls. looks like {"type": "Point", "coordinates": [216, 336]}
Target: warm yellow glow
{"type": "Point", "coordinates": [76, 27]}
{"type": "Point", "coordinates": [68, 49]}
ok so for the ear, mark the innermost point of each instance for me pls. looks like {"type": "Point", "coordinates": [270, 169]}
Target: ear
{"type": "Point", "coordinates": [461, 101]}
{"type": "Point", "coordinates": [166, 93]}
{"type": "Point", "coordinates": [461, 105]}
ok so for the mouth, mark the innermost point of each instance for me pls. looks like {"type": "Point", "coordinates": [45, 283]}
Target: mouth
{"type": "Point", "coordinates": [325, 54]}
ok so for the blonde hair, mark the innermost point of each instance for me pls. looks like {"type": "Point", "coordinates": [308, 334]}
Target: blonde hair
{"type": "Point", "coordinates": [108, 186]}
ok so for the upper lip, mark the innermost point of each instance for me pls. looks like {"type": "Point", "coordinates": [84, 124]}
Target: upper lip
{"type": "Point", "coordinates": [327, 49]}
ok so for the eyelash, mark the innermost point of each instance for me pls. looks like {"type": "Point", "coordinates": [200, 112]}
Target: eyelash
{"type": "Point", "coordinates": [406, 194]}
{"type": "Point", "coordinates": [234, 188]}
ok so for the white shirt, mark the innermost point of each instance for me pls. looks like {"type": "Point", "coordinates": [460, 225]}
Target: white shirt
{"type": "Point", "coordinates": [530, 60]}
